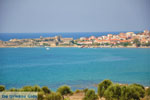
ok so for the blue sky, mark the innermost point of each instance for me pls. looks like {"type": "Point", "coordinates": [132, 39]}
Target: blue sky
{"type": "Point", "coordinates": [32, 16]}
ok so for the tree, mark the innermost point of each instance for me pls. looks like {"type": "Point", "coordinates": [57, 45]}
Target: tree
{"type": "Point", "coordinates": [137, 42]}
{"type": "Point", "coordinates": [103, 86]}
{"type": "Point", "coordinates": [90, 95]}
{"type": "Point", "coordinates": [54, 96]}
{"type": "Point", "coordinates": [113, 92]}
{"type": "Point", "coordinates": [135, 84]}
{"type": "Point", "coordinates": [2, 88]}
{"type": "Point", "coordinates": [78, 91]}
{"type": "Point", "coordinates": [132, 92]}
{"type": "Point", "coordinates": [46, 89]}
{"type": "Point", "coordinates": [36, 88]}
{"type": "Point", "coordinates": [64, 90]}
{"type": "Point", "coordinates": [139, 88]}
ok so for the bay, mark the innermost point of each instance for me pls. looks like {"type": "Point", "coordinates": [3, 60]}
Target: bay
{"type": "Point", "coordinates": [78, 67]}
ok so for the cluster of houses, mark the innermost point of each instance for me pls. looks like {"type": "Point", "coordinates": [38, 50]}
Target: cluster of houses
{"type": "Point", "coordinates": [38, 42]}
{"type": "Point", "coordinates": [111, 39]}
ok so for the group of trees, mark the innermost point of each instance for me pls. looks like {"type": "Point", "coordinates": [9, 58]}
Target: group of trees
{"type": "Point", "coordinates": [106, 89]}
{"type": "Point", "coordinates": [111, 91]}
{"type": "Point", "coordinates": [44, 93]}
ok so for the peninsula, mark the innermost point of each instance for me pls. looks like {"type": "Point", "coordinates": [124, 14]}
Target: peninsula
{"type": "Point", "coordinates": [128, 39]}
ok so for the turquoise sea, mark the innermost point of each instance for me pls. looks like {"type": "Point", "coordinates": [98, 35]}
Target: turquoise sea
{"type": "Point", "coordinates": [78, 67]}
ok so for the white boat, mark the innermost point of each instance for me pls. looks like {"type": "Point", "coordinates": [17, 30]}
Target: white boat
{"type": "Point", "coordinates": [47, 48]}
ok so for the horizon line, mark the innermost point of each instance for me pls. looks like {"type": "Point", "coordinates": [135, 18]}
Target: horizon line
{"type": "Point", "coordinates": [69, 32]}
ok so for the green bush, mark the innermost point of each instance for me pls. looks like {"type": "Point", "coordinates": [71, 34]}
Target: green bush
{"type": "Point", "coordinates": [90, 95]}
{"type": "Point", "coordinates": [64, 90]}
{"type": "Point", "coordinates": [135, 84]}
{"type": "Point", "coordinates": [113, 92]}
{"type": "Point", "coordinates": [132, 92]}
{"type": "Point", "coordinates": [53, 96]}
{"type": "Point", "coordinates": [139, 89]}
{"type": "Point", "coordinates": [148, 91]}
{"type": "Point", "coordinates": [27, 88]}
{"type": "Point", "coordinates": [36, 88]}
{"type": "Point", "coordinates": [78, 91]}
{"type": "Point", "coordinates": [2, 88]}
{"type": "Point", "coordinates": [14, 90]}
{"type": "Point", "coordinates": [46, 89]}
{"type": "Point", "coordinates": [103, 86]}
{"type": "Point", "coordinates": [124, 93]}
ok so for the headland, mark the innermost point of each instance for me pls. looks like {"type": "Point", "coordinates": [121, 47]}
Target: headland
{"type": "Point", "coordinates": [122, 40]}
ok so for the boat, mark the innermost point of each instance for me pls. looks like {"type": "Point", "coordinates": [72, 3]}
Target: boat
{"type": "Point", "coordinates": [47, 48]}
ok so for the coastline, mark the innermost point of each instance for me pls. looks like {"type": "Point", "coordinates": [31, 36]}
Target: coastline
{"type": "Point", "coordinates": [121, 40]}
{"type": "Point", "coordinates": [70, 47]}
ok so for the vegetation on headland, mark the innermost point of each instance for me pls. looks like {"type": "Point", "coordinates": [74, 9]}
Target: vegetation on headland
{"type": "Point", "coordinates": [106, 90]}
{"type": "Point", "coordinates": [128, 39]}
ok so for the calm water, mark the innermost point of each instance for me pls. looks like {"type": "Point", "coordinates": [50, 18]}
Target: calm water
{"type": "Point", "coordinates": [77, 67]}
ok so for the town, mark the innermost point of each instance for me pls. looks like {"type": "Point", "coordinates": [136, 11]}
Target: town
{"type": "Point", "coordinates": [128, 39]}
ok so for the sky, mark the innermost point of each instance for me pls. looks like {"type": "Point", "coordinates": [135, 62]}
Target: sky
{"type": "Point", "coordinates": [42, 16]}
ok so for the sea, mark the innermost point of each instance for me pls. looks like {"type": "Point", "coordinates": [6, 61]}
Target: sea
{"type": "Point", "coordinates": [77, 67]}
